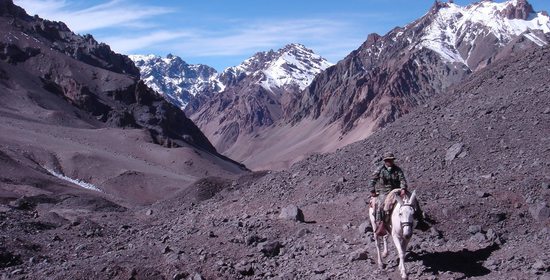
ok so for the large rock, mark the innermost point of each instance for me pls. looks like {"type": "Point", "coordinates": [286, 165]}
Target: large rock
{"type": "Point", "coordinates": [473, 229]}
{"type": "Point", "coordinates": [540, 212]}
{"type": "Point", "coordinates": [244, 268]}
{"type": "Point", "coordinates": [270, 249]}
{"type": "Point", "coordinates": [197, 276]}
{"type": "Point", "coordinates": [292, 213]}
{"type": "Point", "coordinates": [364, 228]}
{"type": "Point", "coordinates": [358, 255]}
{"type": "Point", "coordinates": [454, 151]}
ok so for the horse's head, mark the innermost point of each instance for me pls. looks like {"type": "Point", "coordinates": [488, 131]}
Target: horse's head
{"type": "Point", "coordinates": [406, 214]}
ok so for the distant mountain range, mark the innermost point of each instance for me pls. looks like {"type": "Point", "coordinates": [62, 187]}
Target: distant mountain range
{"type": "Point", "coordinates": [293, 66]}
{"type": "Point", "coordinates": [176, 80]}
{"type": "Point", "coordinates": [268, 112]}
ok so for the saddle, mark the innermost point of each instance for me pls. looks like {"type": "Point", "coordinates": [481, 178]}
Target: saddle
{"type": "Point", "coordinates": [390, 201]}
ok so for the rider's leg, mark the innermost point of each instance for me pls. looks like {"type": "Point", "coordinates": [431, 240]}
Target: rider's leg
{"type": "Point", "coordinates": [381, 217]}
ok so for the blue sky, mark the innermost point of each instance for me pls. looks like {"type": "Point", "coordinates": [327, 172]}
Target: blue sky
{"type": "Point", "coordinates": [223, 33]}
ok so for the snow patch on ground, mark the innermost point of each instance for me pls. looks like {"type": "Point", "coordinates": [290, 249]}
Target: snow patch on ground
{"type": "Point", "coordinates": [74, 181]}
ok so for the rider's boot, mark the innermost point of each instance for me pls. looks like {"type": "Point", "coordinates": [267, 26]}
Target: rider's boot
{"type": "Point", "coordinates": [381, 227]}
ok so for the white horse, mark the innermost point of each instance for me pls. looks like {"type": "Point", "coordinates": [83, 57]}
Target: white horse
{"type": "Point", "coordinates": [401, 229]}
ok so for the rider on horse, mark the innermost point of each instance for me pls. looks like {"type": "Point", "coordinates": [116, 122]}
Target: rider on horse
{"type": "Point", "coordinates": [391, 177]}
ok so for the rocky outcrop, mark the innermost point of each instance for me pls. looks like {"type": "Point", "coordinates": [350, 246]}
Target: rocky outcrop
{"type": "Point", "coordinates": [83, 48]}
{"type": "Point", "coordinates": [522, 10]}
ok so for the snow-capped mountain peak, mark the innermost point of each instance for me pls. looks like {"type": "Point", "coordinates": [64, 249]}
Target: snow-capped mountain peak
{"type": "Point", "coordinates": [295, 65]}
{"type": "Point", "coordinates": [176, 80]}
{"type": "Point", "coordinates": [179, 82]}
{"type": "Point", "coordinates": [292, 65]}
{"type": "Point", "coordinates": [453, 25]}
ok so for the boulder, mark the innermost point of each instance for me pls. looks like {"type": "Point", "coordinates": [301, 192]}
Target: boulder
{"type": "Point", "coordinates": [540, 212]}
{"type": "Point", "coordinates": [453, 151]}
{"type": "Point", "coordinates": [473, 229]}
{"type": "Point", "coordinates": [254, 239]}
{"type": "Point", "coordinates": [292, 213]}
{"type": "Point", "coordinates": [540, 265]}
{"type": "Point", "coordinates": [364, 227]}
{"type": "Point", "coordinates": [478, 237]}
{"type": "Point", "coordinates": [359, 255]}
{"type": "Point", "coordinates": [482, 194]}
{"type": "Point", "coordinates": [244, 268]}
{"type": "Point", "coordinates": [270, 249]}
{"type": "Point", "coordinates": [180, 275]}
{"type": "Point", "coordinates": [302, 232]}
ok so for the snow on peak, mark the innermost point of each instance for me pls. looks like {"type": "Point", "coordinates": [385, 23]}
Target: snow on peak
{"type": "Point", "coordinates": [292, 65]}
{"type": "Point", "coordinates": [452, 23]}
{"type": "Point", "coordinates": [295, 65]}
{"type": "Point", "coordinates": [173, 78]}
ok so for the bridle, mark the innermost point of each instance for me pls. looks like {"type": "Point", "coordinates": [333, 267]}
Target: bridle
{"type": "Point", "coordinates": [404, 224]}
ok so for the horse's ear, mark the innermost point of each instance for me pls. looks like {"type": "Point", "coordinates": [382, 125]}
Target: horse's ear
{"type": "Point", "coordinates": [398, 199]}
{"type": "Point", "coordinates": [413, 197]}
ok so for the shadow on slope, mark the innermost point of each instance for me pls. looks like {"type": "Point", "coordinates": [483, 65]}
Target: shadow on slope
{"type": "Point", "coordinates": [465, 261]}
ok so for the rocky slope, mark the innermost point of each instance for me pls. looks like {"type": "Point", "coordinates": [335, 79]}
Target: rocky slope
{"type": "Point", "coordinates": [72, 106]}
{"type": "Point", "coordinates": [176, 80]}
{"type": "Point", "coordinates": [476, 154]}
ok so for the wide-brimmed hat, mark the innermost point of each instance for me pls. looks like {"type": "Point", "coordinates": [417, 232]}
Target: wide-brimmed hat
{"type": "Point", "coordinates": [389, 156]}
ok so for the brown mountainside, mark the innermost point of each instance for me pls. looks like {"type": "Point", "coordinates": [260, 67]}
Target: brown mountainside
{"type": "Point", "coordinates": [71, 105]}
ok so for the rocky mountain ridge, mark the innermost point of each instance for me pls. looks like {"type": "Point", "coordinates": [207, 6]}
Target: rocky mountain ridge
{"type": "Point", "coordinates": [176, 80]}
{"type": "Point", "coordinates": [291, 67]}
{"type": "Point", "coordinates": [388, 76]}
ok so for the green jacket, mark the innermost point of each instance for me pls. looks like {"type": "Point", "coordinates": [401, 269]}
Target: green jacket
{"type": "Point", "coordinates": [389, 179]}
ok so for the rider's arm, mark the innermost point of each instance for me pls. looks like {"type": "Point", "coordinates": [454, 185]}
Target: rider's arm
{"type": "Point", "coordinates": [402, 180]}
{"type": "Point", "coordinates": [374, 178]}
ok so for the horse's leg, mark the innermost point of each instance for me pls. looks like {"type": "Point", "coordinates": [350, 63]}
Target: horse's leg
{"type": "Point", "coordinates": [385, 251]}
{"type": "Point", "coordinates": [377, 243]}
{"type": "Point", "coordinates": [405, 244]}
{"type": "Point", "coordinates": [401, 252]}
{"type": "Point", "coordinates": [376, 238]}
